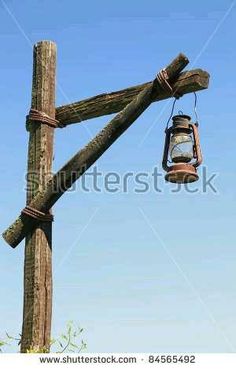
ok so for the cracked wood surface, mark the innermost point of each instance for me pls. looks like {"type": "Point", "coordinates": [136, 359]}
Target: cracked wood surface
{"type": "Point", "coordinates": [36, 329]}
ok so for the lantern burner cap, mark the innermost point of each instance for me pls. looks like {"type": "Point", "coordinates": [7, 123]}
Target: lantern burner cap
{"type": "Point", "coordinates": [181, 122]}
{"type": "Point", "coordinates": [182, 117]}
{"type": "Point", "coordinates": [182, 173]}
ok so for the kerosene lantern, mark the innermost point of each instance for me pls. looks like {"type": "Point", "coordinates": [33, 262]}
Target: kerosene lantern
{"type": "Point", "coordinates": [182, 150]}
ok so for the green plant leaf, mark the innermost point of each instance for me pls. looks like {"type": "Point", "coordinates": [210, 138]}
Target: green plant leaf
{"type": "Point", "coordinates": [74, 345]}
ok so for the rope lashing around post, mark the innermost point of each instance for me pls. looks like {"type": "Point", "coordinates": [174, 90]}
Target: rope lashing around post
{"type": "Point", "coordinates": [162, 78]}
{"type": "Point", "coordinates": [40, 117]}
{"type": "Point", "coordinates": [36, 214]}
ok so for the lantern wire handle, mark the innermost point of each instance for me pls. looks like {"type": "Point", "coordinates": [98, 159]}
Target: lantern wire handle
{"type": "Point", "coordinates": [180, 112]}
{"type": "Point", "coordinates": [195, 109]}
{"type": "Point", "coordinates": [172, 110]}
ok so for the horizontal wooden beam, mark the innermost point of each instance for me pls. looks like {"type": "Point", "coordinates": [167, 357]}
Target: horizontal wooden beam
{"type": "Point", "coordinates": [83, 159]}
{"type": "Point", "coordinates": [109, 103]}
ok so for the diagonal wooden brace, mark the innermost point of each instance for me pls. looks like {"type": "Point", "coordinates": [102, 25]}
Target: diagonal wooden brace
{"type": "Point", "coordinates": [86, 157]}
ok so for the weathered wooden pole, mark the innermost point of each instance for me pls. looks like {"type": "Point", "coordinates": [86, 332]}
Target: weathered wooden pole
{"type": "Point", "coordinates": [37, 311]}
{"type": "Point", "coordinates": [82, 160]}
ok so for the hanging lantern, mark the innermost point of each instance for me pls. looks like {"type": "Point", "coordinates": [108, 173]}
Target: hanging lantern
{"type": "Point", "coordinates": [182, 151]}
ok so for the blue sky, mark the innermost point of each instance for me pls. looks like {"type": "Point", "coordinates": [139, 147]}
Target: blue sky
{"type": "Point", "coordinates": [140, 272]}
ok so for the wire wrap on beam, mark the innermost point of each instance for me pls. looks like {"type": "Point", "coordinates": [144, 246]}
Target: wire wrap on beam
{"type": "Point", "coordinates": [162, 79]}
{"type": "Point", "coordinates": [42, 118]}
{"type": "Point", "coordinates": [37, 215]}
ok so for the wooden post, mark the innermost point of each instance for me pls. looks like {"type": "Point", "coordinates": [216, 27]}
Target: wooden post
{"type": "Point", "coordinates": [37, 311]}
{"type": "Point", "coordinates": [44, 189]}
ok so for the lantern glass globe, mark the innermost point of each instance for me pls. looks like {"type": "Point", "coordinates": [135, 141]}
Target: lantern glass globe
{"type": "Point", "coordinates": [181, 148]}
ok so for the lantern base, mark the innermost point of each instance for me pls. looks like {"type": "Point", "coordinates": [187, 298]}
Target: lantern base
{"type": "Point", "coordinates": [182, 173]}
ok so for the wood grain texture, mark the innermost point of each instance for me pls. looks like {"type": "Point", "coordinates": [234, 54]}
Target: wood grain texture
{"type": "Point", "coordinates": [84, 158]}
{"type": "Point", "coordinates": [36, 329]}
{"type": "Point", "coordinates": [113, 102]}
